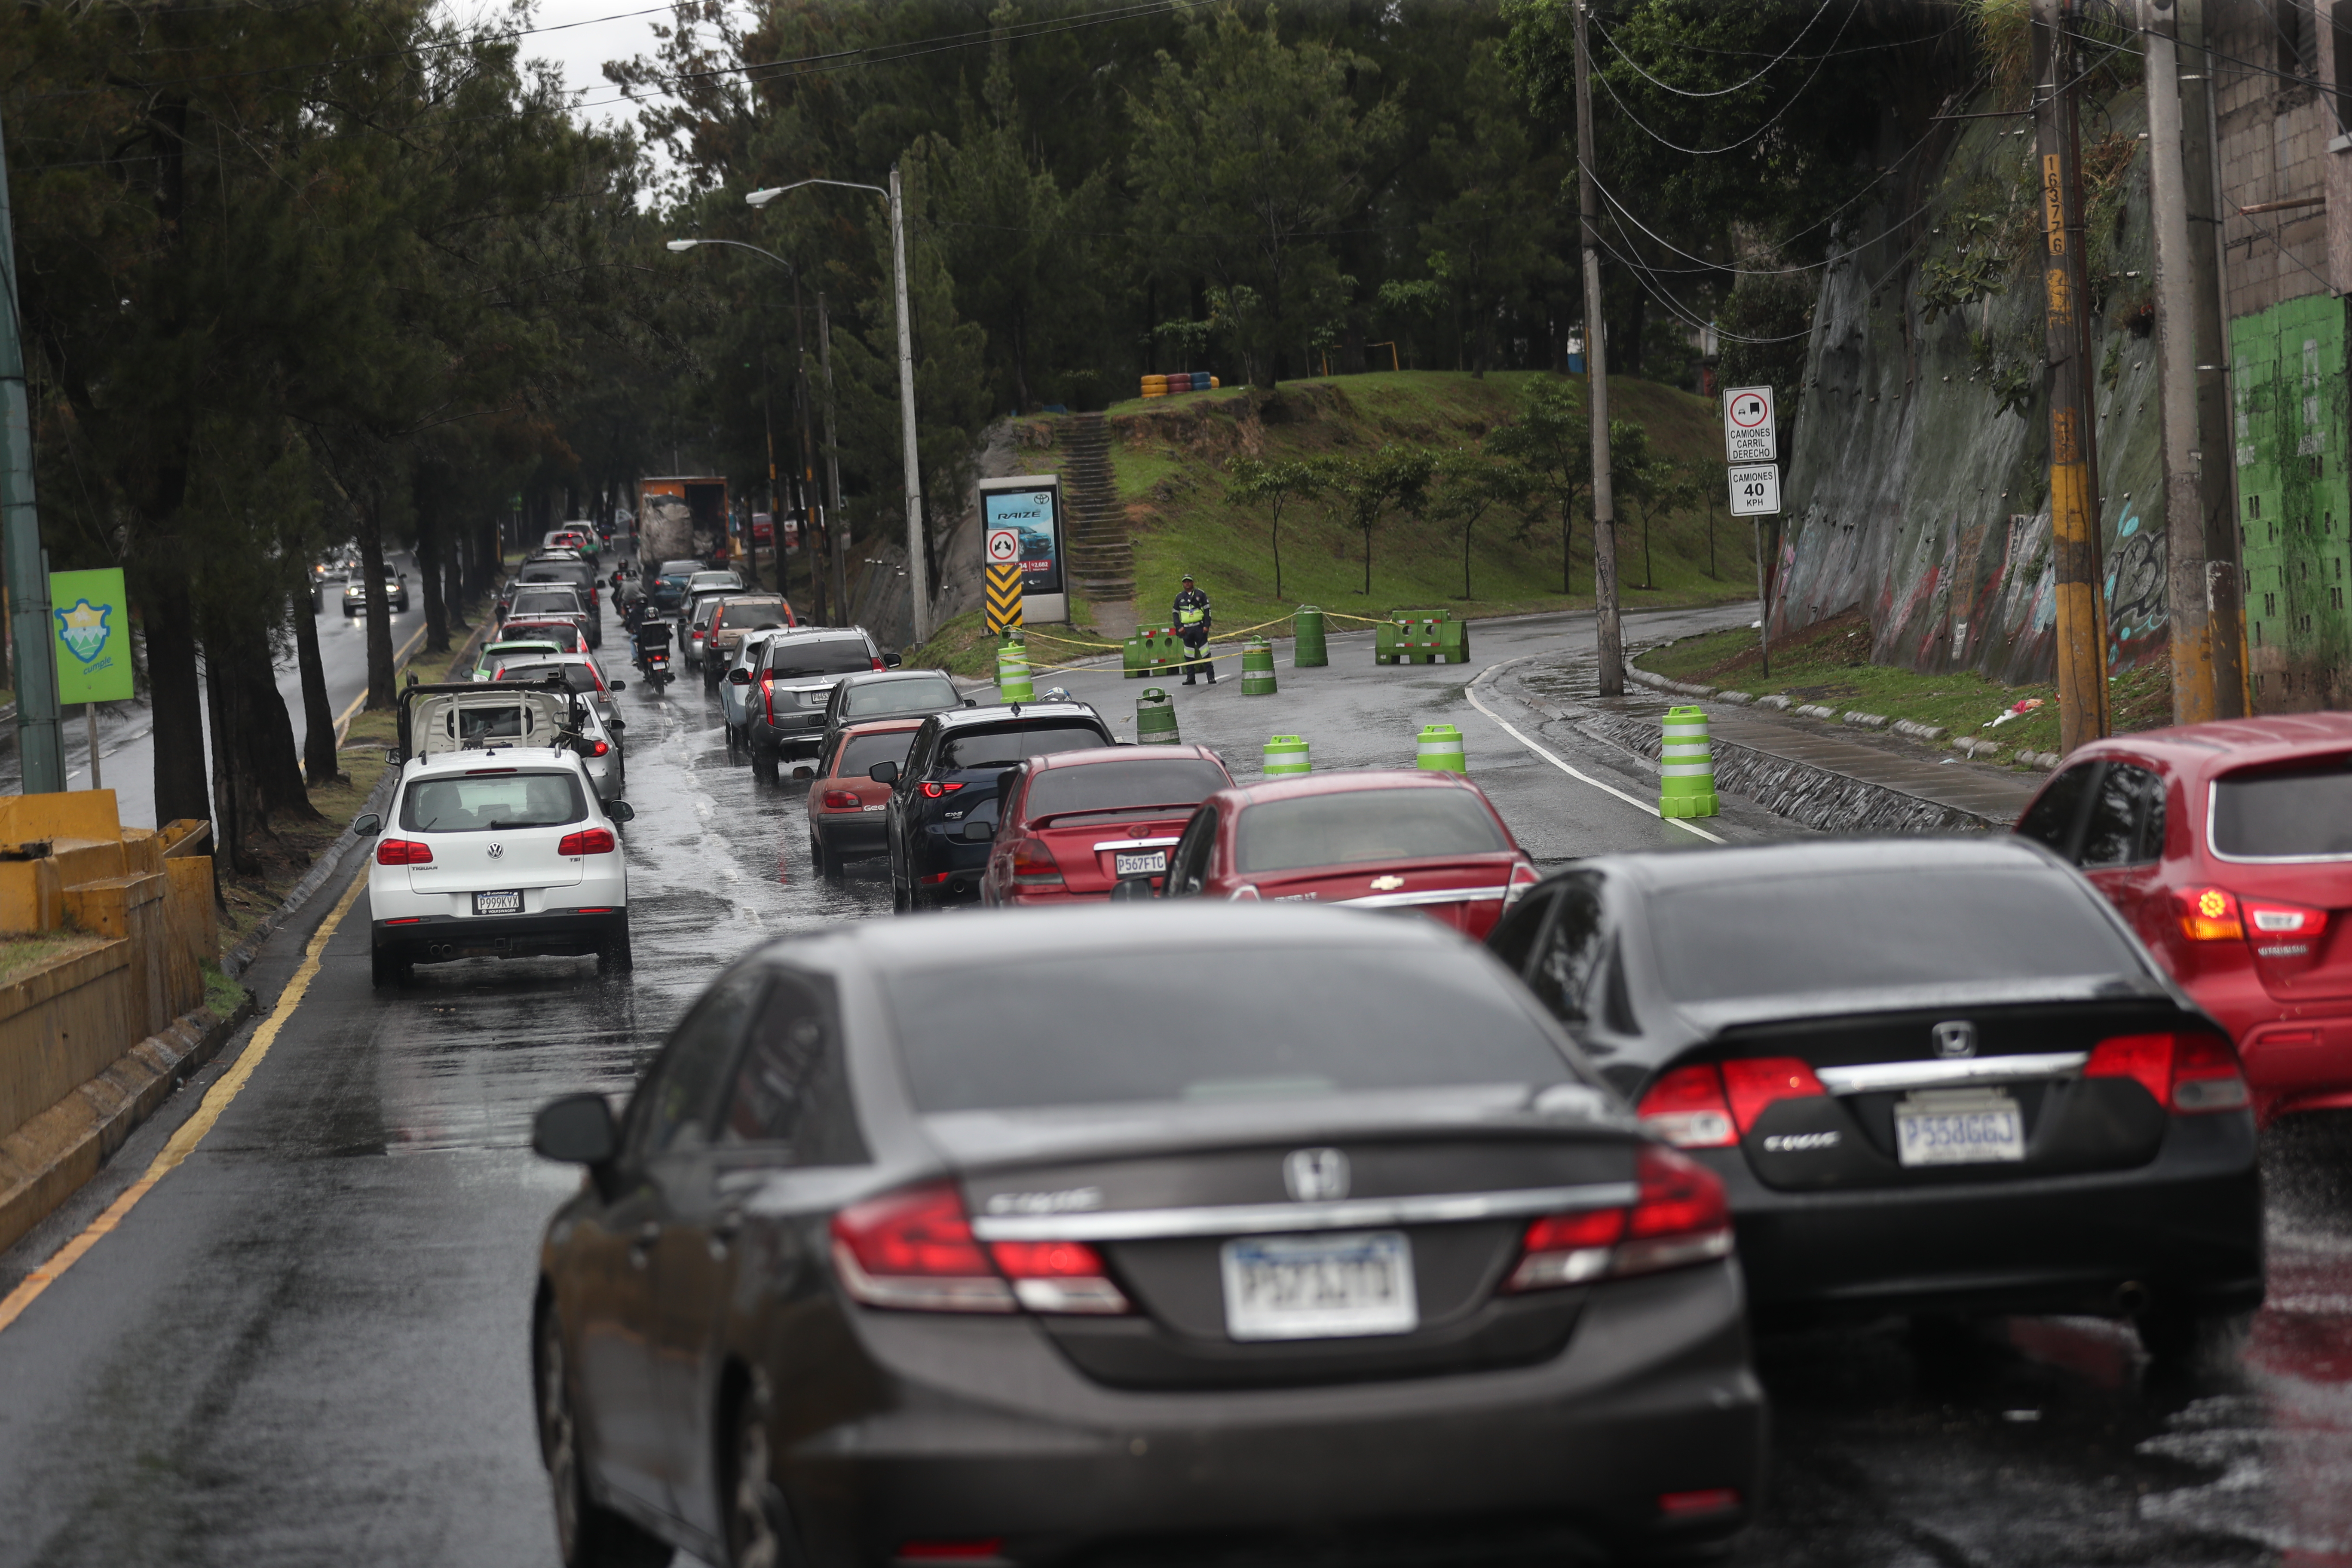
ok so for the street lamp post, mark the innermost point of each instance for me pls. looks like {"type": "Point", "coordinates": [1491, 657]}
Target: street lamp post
{"type": "Point", "coordinates": [917, 572]}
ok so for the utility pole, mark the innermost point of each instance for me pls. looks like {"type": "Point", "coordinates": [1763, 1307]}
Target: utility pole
{"type": "Point", "coordinates": [805, 484]}
{"type": "Point", "coordinates": [919, 576]}
{"type": "Point", "coordinates": [40, 748]}
{"type": "Point", "coordinates": [775, 529]}
{"type": "Point", "coordinates": [2081, 654]}
{"type": "Point", "coordinates": [836, 527]}
{"type": "Point", "coordinates": [2194, 693]}
{"type": "Point", "coordinates": [2225, 600]}
{"type": "Point", "coordinates": [1608, 636]}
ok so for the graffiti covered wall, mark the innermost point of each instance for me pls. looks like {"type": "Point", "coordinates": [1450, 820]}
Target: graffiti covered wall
{"type": "Point", "coordinates": [2287, 384]}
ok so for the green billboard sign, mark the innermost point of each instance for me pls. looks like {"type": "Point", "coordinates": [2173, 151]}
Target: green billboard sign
{"type": "Point", "coordinates": [90, 616]}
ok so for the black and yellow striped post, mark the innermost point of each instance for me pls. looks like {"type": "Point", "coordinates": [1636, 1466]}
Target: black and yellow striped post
{"type": "Point", "coordinates": [1004, 597]}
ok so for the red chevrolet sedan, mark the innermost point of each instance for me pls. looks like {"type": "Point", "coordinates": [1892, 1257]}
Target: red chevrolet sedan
{"type": "Point", "coordinates": [1074, 824]}
{"type": "Point", "coordinates": [1375, 839]}
{"type": "Point", "coordinates": [2228, 849]}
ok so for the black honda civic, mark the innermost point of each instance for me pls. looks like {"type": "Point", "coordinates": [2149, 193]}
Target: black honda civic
{"type": "Point", "coordinates": [1935, 1075]}
{"type": "Point", "coordinates": [902, 1257]}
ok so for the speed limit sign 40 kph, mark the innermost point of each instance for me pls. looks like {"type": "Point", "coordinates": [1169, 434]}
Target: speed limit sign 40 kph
{"type": "Point", "coordinates": [1756, 489]}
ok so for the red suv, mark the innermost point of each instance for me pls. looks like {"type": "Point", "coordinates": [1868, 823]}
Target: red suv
{"type": "Point", "coordinates": [1074, 825]}
{"type": "Point", "coordinates": [2228, 849]}
{"type": "Point", "coordinates": [1370, 838]}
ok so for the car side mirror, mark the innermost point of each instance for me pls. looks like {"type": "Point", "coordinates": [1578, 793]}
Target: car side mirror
{"type": "Point", "coordinates": [1127, 889]}
{"type": "Point", "coordinates": [620, 811]}
{"type": "Point", "coordinates": [882, 773]}
{"type": "Point", "coordinates": [577, 1130]}
{"type": "Point", "coordinates": [889, 662]}
{"type": "Point", "coordinates": [739, 677]}
{"type": "Point", "coordinates": [367, 825]}
{"type": "Point", "coordinates": [979, 830]}
{"type": "Point", "coordinates": [972, 701]}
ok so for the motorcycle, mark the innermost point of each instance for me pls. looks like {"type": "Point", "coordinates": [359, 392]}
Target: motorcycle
{"type": "Point", "coordinates": [656, 667]}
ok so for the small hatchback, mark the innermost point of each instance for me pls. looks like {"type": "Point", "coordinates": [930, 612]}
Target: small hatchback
{"type": "Point", "coordinates": [847, 806]}
{"type": "Point", "coordinates": [1388, 838]}
{"type": "Point", "coordinates": [1074, 825]}
{"type": "Point", "coordinates": [2227, 848]}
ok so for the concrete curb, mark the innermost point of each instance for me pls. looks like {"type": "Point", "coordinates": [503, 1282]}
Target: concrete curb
{"type": "Point", "coordinates": [47, 1161]}
{"type": "Point", "coordinates": [240, 957]}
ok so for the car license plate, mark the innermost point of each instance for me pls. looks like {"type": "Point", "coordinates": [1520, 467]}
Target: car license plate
{"type": "Point", "coordinates": [1139, 865]}
{"type": "Point", "coordinates": [1959, 1127]}
{"type": "Point", "coordinates": [509, 903]}
{"type": "Point", "coordinates": [1319, 1287]}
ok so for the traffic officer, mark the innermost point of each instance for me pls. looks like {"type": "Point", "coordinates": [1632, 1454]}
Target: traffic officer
{"type": "Point", "coordinates": [1193, 625]}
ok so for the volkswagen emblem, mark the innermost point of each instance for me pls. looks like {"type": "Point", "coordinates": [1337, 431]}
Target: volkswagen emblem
{"type": "Point", "coordinates": [496, 851]}
{"type": "Point", "coordinates": [1956, 1039]}
{"type": "Point", "coordinates": [1316, 1175]}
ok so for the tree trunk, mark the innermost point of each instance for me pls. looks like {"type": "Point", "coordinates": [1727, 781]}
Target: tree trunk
{"type": "Point", "coordinates": [1567, 544]}
{"type": "Point", "coordinates": [428, 578]}
{"type": "Point", "coordinates": [181, 787]}
{"type": "Point", "coordinates": [318, 713]}
{"type": "Point", "coordinates": [451, 550]}
{"type": "Point", "coordinates": [369, 515]}
{"type": "Point", "coordinates": [237, 816]}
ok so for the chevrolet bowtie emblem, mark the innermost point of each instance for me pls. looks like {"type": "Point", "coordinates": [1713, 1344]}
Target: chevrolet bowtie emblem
{"type": "Point", "coordinates": [1383, 884]}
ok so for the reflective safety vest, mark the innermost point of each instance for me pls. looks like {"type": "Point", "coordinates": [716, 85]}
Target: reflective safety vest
{"type": "Point", "coordinates": [1190, 618]}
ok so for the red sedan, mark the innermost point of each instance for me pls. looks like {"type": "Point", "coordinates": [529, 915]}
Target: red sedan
{"type": "Point", "coordinates": [1383, 839]}
{"type": "Point", "coordinates": [845, 805]}
{"type": "Point", "coordinates": [2228, 848]}
{"type": "Point", "coordinates": [1073, 824]}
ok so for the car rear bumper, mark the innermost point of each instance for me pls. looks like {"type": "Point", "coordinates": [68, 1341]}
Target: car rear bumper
{"type": "Point", "coordinates": [979, 1429]}
{"type": "Point", "coordinates": [788, 740]}
{"type": "Point", "coordinates": [2186, 1228]}
{"type": "Point", "coordinates": [431, 939]}
{"type": "Point", "coordinates": [853, 833]}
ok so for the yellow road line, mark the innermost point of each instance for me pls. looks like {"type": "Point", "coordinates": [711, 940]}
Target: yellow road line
{"type": "Point", "coordinates": [191, 1131]}
{"type": "Point", "coordinates": [344, 721]}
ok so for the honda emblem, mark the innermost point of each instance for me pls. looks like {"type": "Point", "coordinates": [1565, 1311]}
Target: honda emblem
{"type": "Point", "coordinates": [1956, 1039]}
{"type": "Point", "coordinates": [1316, 1175]}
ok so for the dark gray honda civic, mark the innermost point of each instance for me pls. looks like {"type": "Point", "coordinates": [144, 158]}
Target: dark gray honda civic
{"type": "Point", "coordinates": [1103, 1234]}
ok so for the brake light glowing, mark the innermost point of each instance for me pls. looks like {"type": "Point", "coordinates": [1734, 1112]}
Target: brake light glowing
{"type": "Point", "coordinates": [842, 800]}
{"type": "Point", "coordinates": [601, 749]}
{"type": "Point", "coordinates": [1034, 866]}
{"type": "Point", "coordinates": [2189, 1073]}
{"type": "Point", "coordinates": [404, 852]}
{"type": "Point", "coordinates": [1522, 876]}
{"type": "Point", "coordinates": [1685, 1107]}
{"type": "Point", "coordinates": [588, 841]}
{"type": "Point", "coordinates": [1679, 1218]}
{"type": "Point", "coordinates": [933, 790]}
{"type": "Point", "coordinates": [1752, 1084]}
{"type": "Point", "coordinates": [2209, 914]}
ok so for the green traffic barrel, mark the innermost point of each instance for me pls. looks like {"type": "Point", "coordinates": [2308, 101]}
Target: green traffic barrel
{"type": "Point", "coordinates": [1155, 718]}
{"type": "Point", "coordinates": [1439, 750]}
{"type": "Point", "coordinates": [1687, 766]}
{"type": "Point", "coordinates": [1306, 649]}
{"type": "Point", "coordinates": [1012, 683]}
{"type": "Point", "coordinates": [1286, 757]}
{"type": "Point", "coordinates": [1257, 669]}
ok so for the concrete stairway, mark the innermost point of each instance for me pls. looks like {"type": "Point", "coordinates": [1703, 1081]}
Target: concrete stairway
{"type": "Point", "coordinates": [1102, 558]}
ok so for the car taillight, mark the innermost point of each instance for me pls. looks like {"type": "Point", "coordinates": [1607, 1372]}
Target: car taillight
{"type": "Point", "coordinates": [1034, 865]}
{"type": "Point", "coordinates": [587, 841]}
{"type": "Point", "coordinates": [914, 1250]}
{"type": "Point", "coordinates": [404, 852]}
{"type": "Point", "coordinates": [1522, 876]}
{"type": "Point", "coordinates": [2209, 914]}
{"type": "Point", "coordinates": [1685, 1107]}
{"type": "Point", "coordinates": [842, 800]}
{"type": "Point", "coordinates": [2283, 930]}
{"type": "Point", "coordinates": [1753, 1083]}
{"type": "Point", "coordinates": [1679, 1218]}
{"type": "Point", "coordinates": [877, 663]}
{"type": "Point", "coordinates": [933, 790]}
{"type": "Point", "coordinates": [2189, 1073]}
{"type": "Point", "coordinates": [768, 695]}
{"type": "Point", "coordinates": [1058, 1277]}
{"type": "Point", "coordinates": [601, 749]}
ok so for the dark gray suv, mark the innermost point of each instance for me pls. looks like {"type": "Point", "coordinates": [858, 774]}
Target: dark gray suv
{"type": "Point", "coordinates": [791, 685]}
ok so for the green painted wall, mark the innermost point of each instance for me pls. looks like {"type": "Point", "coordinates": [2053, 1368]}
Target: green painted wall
{"type": "Point", "coordinates": [2295, 511]}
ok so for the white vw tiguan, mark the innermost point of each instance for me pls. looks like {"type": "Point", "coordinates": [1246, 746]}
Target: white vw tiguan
{"type": "Point", "coordinates": [496, 845]}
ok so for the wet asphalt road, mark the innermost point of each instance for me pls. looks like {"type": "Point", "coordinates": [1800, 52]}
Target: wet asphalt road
{"type": "Point", "coordinates": [307, 1344]}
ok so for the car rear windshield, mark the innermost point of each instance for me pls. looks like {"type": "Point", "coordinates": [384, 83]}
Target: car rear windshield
{"type": "Point", "coordinates": [484, 802]}
{"type": "Point", "coordinates": [796, 656]}
{"type": "Point", "coordinates": [741, 612]}
{"type": "Point", "coordinates": [864, 751]}
{"type": "Point", "coordinates": [540, 600]}
{"type": "Point", "coordinates": [578, 677]}
{"type": "Point", "coordinates": [1277, 1022]}
{"type": "Point", "coordinates": [1365, 824]}
{"type": "Point", "coordinates": [680, 568]}
{"type": "Point", "coordinates": [1005, 745]}
{"type": "Point", "coordinates": [885, 697]}
{"type": "Point", "coordinates": [2285, 814]}
{"type": "Point", "coordinates": [1867, 931]}
{"type": "Point", "coordinates": [564, 635]}
{"type": "Point", "coordinates": [1128, 783]}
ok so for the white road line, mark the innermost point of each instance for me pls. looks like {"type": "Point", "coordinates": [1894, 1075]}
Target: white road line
{"type": "Point", "coordinates": [1469, 690]}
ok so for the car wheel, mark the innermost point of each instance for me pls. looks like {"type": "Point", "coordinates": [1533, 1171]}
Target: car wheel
{"type": "Point", "coordinates": [2175, 1337]}
{"type": "Point", "coordinates": [756, 1525]}
{"type": "Point", "coordinates": [587, 1536]}
{"type": "Point", "coordinates": [900, 903]}
{"type": "Point", "coordinates": [763, 768]}
{"type": "Point", "coordinates": [613, 953]}
{"type": "Point", "coordinates": [388, 970]}
{"type": "Point", "coordinates": [817, 859]}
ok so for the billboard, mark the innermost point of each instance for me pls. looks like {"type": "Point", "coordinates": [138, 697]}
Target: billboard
{"type": "Point", "coordinates": [1020, 520]}
{"type": "Point", "coordinates": [90, 618]}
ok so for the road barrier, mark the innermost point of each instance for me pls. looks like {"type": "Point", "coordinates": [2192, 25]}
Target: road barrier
{"type": "Point", "coordinates": [1286, 757]}
{"type": "Point", "coordinates": [1687, 766]}
{"type": "Point", "coordinates": [1257, 669]}
{"type": "Point", "coordinates": [1439, 750]}
{"type": "Point", "coordinates": [1422, 636]}
{"type": "Point", "coordinates": [1153, 650]}
{"type": "Point", "coordinates": [1012, 683]}
{"type": "Point", "coordinates": [1155, 718]}
{"type": "Point", "coordinates": [1308, 650]}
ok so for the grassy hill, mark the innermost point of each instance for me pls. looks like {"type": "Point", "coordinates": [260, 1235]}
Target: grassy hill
{"type": "Point", "coordinates": [1168, 455]}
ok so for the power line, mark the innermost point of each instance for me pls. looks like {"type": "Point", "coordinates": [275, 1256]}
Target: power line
{"type": "Point", "coordinates": [1683, 92]}
{"type": "Point", "coordinates": [1786, 105]}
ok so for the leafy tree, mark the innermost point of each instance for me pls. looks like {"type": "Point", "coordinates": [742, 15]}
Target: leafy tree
{"type": "Point", "coordinates": [1490, 234]}
{"type": "Point", "coordinates": [1469, 484]}
{"type": "Point", "coordinates": [1361, 489]}
{"type": "Point", "coordinates": [1255, 482]}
